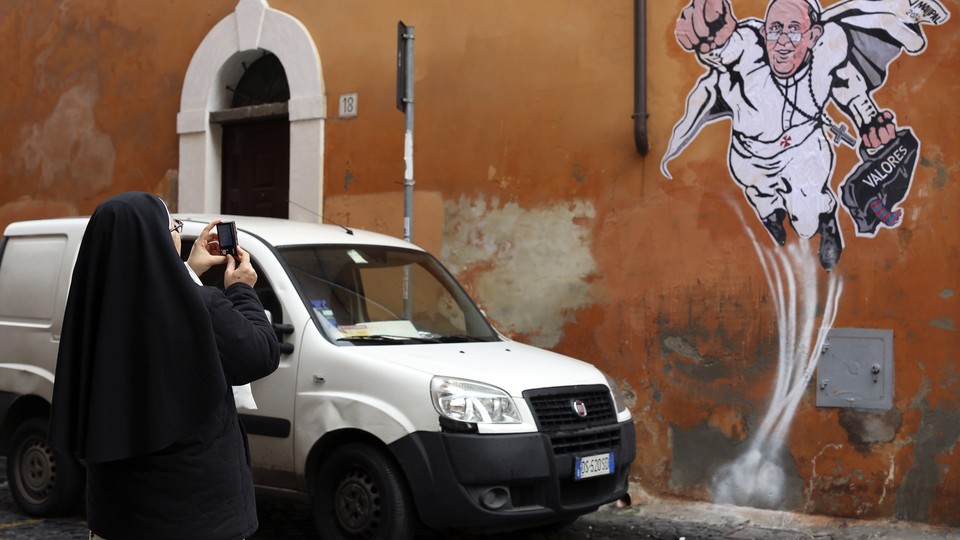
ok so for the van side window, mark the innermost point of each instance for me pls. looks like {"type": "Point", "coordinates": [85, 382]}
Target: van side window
{"type": "Point", "coordinates": [30, 277]}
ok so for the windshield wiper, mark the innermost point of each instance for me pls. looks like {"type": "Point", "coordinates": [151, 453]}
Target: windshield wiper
{"type": "Point", "coordinates": [390, 339]}
{"type": "Point", "coordinates": [461, 338]}
{"type": "Point", "coordinates": [385, 338]}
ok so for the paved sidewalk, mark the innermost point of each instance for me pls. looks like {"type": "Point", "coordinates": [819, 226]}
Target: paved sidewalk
{"type": "Point", "coordinates": [657, 519]}
{"type": "Point", "coordinates": [677, 519]}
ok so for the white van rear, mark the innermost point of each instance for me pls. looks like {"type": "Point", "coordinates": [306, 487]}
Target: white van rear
{"type": "Point", "coordinates": [395, 403]}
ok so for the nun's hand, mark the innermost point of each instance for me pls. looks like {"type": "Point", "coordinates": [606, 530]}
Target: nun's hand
{"type": "Point", "coordinates": [205, 252]}
{"type": "Point", "coordinates": [239, 273]}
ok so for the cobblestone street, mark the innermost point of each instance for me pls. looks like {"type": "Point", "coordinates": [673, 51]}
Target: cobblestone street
{"type": "Point", "coordinates": [652, 519]}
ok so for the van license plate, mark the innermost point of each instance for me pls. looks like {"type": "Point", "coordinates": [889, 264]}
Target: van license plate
{"type": "Point", "coordinates": [597, 465]}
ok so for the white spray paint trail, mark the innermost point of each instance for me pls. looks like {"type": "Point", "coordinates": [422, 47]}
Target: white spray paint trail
{"type": "Point", "coordinates": [793, 274]}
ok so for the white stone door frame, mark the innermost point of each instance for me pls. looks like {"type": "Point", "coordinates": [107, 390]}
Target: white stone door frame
{"type": "Point", "coordinates": [243, 36]}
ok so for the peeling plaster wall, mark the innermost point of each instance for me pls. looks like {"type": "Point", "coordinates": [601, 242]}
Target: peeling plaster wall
{"type": "Point", "coordinates": [70, 130]}
{"type": "Point", "coordinates": [937, 439]}
{"type": "Point", "coordinates": [530, 188]}
{"type": "Point", "coordinates": [540, 259]}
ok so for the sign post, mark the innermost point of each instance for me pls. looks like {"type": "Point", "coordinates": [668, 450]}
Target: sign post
{"type": "Point", "coordinates": [405, 36]}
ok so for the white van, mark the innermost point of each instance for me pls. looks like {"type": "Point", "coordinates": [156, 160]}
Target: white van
{"type": "Point", "coordinates": [395, 404]}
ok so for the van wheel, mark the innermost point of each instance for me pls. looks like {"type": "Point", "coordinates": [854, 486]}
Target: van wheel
{"type": "Point", "coordinates": [43, 481]}
{"type": "Point", "coordinates": [359, 494]}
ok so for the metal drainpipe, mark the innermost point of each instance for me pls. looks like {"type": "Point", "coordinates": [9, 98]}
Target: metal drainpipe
{"type": "Point", "coordinates": [640, 114]}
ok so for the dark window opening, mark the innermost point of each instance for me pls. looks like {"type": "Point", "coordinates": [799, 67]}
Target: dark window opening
{"type": "Point", "coordinates": [264, 81]}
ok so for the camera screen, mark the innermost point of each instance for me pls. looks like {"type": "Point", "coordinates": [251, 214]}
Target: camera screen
{"type": "Point", "coordinates": [225, 234]}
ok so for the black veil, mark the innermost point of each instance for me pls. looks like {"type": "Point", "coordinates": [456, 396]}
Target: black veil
{"type": "Point", "coordinates": [138, 366]}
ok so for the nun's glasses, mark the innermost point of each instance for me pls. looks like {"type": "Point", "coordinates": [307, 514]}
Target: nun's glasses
{"type": "Point", "coordinates": [177, 226]}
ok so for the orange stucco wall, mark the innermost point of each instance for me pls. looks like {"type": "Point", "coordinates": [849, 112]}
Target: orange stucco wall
{"type": "Point", "coordinates": [89, 102]}
{"type": "Point", "coordinates": [530, 188]}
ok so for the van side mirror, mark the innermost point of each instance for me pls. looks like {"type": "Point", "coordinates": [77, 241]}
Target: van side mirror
{"type": "Point", "coordinates": [284, 330]}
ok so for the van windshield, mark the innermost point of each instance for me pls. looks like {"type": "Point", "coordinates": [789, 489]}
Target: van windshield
{"type": "Point", "coordinates": [377, 295]}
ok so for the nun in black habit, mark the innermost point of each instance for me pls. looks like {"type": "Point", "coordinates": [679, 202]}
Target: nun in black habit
{"type": "Point", "coordinates": [143, 384]}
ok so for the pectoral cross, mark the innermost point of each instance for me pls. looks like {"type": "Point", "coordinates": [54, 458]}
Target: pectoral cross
{"type": "Point", "coordinates": [840, 135]}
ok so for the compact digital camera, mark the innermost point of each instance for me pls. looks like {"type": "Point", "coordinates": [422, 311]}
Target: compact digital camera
{"type": "Point", "coordinates": [227, 236]}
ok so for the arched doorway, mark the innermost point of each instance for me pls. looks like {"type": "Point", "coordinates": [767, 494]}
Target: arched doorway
{"type": "Point", "coordinates": [237, 42]}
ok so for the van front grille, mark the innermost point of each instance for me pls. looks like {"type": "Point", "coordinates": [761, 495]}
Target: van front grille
{"type": "Point", "coordinates": [555, 408]}
{"type": "Point", "coordinates": [575, 417]}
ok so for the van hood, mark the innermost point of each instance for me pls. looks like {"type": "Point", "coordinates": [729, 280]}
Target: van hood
{"type": "Point", "coordinates": [508, 365]}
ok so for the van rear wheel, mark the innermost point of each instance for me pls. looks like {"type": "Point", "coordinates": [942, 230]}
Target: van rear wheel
{"type": "Point", "coordinates": [43, 481]}
{"type": "Point", "coordinates": [360, 494]}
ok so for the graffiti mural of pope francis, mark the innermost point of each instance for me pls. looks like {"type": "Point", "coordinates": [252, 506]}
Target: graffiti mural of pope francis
{"type": "Point", "coordinates": [774, 78]}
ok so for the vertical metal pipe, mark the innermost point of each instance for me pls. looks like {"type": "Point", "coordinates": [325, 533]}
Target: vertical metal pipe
{"type": "Point", "coordinates": [640, 114]}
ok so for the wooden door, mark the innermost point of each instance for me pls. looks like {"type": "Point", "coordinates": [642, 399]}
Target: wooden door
{"type": "Point", "coordinates": [256, 168]}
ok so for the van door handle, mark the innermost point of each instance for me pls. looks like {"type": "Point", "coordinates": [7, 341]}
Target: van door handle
{"type": "Point", "coordinates": [286, 348]}
{"type": "Point", "coordinates": [285, 329]}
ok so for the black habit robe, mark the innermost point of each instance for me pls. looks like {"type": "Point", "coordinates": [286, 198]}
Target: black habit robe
{"type": "Point", "coordinates": [143, 394]}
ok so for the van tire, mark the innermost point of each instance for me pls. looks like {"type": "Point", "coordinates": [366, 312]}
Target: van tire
{"type": "Point", "coordinates": [360, 493]}
{"type": "Point", "coordinates": [44, 481]}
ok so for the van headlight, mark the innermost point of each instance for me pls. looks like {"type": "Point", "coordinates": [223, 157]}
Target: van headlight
{"type": "Point", "coordinates": [618, 401]}
{"type": "Point", "coordinates": [470, 401]}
